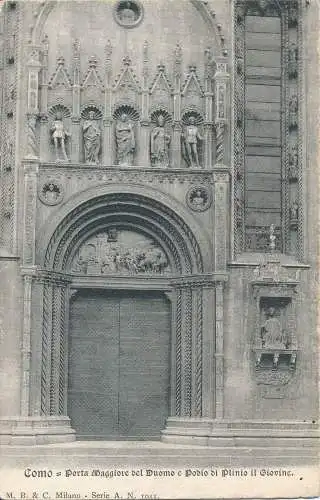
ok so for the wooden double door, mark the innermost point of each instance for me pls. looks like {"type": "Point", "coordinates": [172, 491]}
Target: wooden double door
{"type": "Point", "coordinates": [119, 364]}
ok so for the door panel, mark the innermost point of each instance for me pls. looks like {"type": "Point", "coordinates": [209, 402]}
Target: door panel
{"type": "Point", "coordinates": [119, 364]}
{"type": "Point", "coordinates": [93, 365]}
{"type": "Point", "coordinates": [144, 365]}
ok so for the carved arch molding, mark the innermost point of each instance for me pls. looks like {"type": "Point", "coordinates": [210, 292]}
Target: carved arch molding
{"type": "Point", "coordinates": [189, 288]}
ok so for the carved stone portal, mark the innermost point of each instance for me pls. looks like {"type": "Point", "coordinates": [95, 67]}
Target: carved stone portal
{"type": "Point", "coordinates": [120, 251]}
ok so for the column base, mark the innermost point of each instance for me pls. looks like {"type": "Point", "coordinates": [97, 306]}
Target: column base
{"type": "Point", "coordinates": [35, 430]}
{"type": "Point", "coordinates": [246, 433]}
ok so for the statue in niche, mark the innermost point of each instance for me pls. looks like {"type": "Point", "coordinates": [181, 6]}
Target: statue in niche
{"type": "Point", "coordinates": [272, 334]}
{"type": "Point", "coordinates": [293, 162]}
{"type": "Point", "coordinates": [191, 138]}
{"type": "Point", "coordinates": [59, 136]}
{"type": "Point", "coordinates": [91, 138]}
{"type": "Point", "coordinates": [294, 211]}
{"type": "Point", "coordinates": [160, 142]}
{"type": "Point", "coordinates": [125, 140]}
{"type": "Point", "coordinates": [272, 238]}
{"type": "Point", "coordinates": [293, 61]}
{"type": "Point", "coordinates": [293, 112]}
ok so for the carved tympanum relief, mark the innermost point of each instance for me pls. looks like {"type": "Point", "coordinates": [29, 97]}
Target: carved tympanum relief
{"type": "Point", "coordinates": [120, 251]}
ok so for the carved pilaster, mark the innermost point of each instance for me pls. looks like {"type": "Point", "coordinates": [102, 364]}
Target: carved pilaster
{"type": "Point", "coordinates": [186, 355]}
{"type": "Point", "coordinates": [196, 406]}
{"type": "Point", "coordinates": [55, 351]}
{"type": "Point", "coordinates": [144, 149]}
{"type": "Point", "coordinates": [46, 348]}
{"type": "Point", "coordinates": [208, 141]}
{"type": "Point", "coordinates": [76, 139]}
{"type": "Point", "coordinates": [221, 188]}
{"type": "Point", "coordinates": [208, 376]}
{"type": "Point", "coordinates": [221, 78]}
{"type": "Point", "coordinates": [44, 138]}
{"type": "Point", "coordinates": [219, 354]}
{"type": "Point", "coordinates": [44, 76]}
{"type": "Point", "coordinates": [34, 67]}
{"type": "Point", "coordinates": [30, 206]}
{"type": "Point", "coordinates": [107, 151]}
{"type": "Point", "coordinates": [75, 133]}
{"type": "Point", "coordinates": [26, 347]}
{"type": "Point", "coordinates": [176, 145]}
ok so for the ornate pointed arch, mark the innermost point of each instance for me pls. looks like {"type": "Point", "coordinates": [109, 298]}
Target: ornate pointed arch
{"type": "Point", "coordinates": [157, 214]}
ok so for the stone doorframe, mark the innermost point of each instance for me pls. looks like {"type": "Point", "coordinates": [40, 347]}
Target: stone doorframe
{"type": "Point", "coordinates": [195, 292]}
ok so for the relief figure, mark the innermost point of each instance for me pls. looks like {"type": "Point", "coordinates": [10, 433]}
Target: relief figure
{"type": "Point", "coordinates": [92, 139]}
{"type": "Point", "coordinates": [160, 142]}
{"type": "Point", "coordinates": [125, 140]}
{"type": "Point", "coordinates": [191, 139]}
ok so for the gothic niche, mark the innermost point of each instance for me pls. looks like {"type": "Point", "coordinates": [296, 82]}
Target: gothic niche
{"type": "Point", "coordinates": [91, 130]}
{"type": "Point", "coordinates": [59, 134]}
{"type": "Point", "coordinates": [275, 347]}
{"type": "Point", "coordinates": [120, 251]}
{"type": "Point", "coordinates": [125, 135]}
{"type": "Point", "coordinates": [160, 139]}
{"type": "Point", "coordinates": [128, 13]}
{"type": "Point", "coordinates": [192, 139]}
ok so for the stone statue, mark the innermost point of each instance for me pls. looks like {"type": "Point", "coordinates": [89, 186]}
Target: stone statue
{"type": "Point", "coordinates": [125, 140]}
{"type": "Point", "coordinates": [293, 162]}
{"type": "Point", "coordinates": [59, 135]}
{"type": "Point", "coordinates": [92, 139]}
{"type": "Point", "coordinates": [271, 331]}
{"type": "Point", "coordinates": [191, 139]}
{"type": "Point", "coordinates": [293, 112]}
{"type": "Point", "coordinates": [294, 210]}
{"type": "Point", "coordinates": [293, 60]}
{"type": "Point", "coordinates": [160, 142]}
{"type": "Point", "coordinates": [272, 238]}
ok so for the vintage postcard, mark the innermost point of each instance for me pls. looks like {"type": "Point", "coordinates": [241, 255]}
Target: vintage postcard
{"type": "Point", "coordinates": [159, 234]}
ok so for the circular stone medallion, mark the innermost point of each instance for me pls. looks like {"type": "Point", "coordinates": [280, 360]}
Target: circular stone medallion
{"type": "Point", "coordinates": [128, 13]}
{"type": "Point", "coordinates": [199, 198]}
{"type": "Point", "coordinates": [51, 193]}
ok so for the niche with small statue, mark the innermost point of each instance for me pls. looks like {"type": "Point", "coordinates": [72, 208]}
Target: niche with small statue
{"type": "Point", "coordinates": [275, 345]}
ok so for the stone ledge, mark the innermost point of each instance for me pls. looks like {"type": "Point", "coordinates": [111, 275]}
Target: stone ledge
{"type": "Point", "coordinates": [35, 430]}
{"type": "Point", "coordinates": [219, 433]}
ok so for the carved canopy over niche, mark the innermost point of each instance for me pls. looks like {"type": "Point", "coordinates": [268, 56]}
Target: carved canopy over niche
{"type": "Point", "coordinates": [129, 68]}
{"type": "Point", "coordinates": [120, 251]}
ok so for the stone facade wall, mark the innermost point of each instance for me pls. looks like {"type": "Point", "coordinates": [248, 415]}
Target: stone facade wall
{"type": "Point", "coordinates": [167, 47]}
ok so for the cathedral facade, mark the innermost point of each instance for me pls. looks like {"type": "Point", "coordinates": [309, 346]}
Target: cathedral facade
{"type": "Point", "coordinates": [158, 250]}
